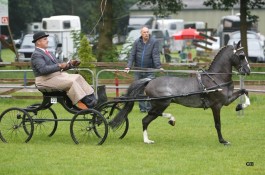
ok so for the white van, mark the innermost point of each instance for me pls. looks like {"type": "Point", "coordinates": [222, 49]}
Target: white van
{"type": "Point", "coordinates": [63, 26]}
{"type": "Point", "coordinates": [172, 26]}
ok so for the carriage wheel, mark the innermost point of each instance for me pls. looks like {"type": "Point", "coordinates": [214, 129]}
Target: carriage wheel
{"type": "Point", "coordinates": [15, 126]}
{"type": "Point", "coordinates": [45, 120]}
{"type": "Point", "coordinates": [89, 126]}
{"type": "Point", "coordinates": [109, 112]}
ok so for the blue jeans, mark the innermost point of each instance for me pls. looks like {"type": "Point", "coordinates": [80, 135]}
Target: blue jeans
{"type": "Point", "coordinates": [144, 105]}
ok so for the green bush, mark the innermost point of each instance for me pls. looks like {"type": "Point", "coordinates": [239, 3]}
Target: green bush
{"type": "Point", "coordinates": [85, 55]}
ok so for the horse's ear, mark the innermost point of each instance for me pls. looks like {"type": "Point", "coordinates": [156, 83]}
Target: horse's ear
{"type": "Point", "coordinates": [238, 44]}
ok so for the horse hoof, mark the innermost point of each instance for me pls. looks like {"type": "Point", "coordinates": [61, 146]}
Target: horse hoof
{"type": "Point", "coordinates": [171, 122]}
{"type": "Point", "coordinates": [239, 107]}
{"type": "Point", "coordinates": [149, 142]}
{"type": "Point", "coordinates": [225, 143]}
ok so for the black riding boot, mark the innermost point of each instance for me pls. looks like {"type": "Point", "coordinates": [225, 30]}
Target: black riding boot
{"type": "Point", "coordinates": [90, 101]}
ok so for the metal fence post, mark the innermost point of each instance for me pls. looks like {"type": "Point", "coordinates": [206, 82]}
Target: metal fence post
{"type": "Point", "coordinates": [241, 99]}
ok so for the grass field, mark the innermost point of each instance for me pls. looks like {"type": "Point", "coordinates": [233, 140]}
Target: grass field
{"type": "Point", "coordinates": [7, 55]}
{"type": "Point", "coordinates": [191, 147]}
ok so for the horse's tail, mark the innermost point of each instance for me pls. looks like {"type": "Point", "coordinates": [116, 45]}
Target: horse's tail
{"type": "Point", "coordinates": [134, 89]}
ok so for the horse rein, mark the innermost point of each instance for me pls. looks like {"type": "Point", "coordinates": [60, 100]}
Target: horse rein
{"type": "Point", "coordinates": [208, 75]}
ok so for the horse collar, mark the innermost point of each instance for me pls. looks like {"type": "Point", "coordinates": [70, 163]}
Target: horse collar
{"type": "Point", "coordinates": [199, 78]}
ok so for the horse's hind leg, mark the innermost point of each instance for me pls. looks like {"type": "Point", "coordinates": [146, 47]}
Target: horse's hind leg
{"type": "Point", "coordinates": [146, 121]}
{"type": "Point", "coordinates": [152, 115]}
{"type": "Point", "coordinates": [216, 114]}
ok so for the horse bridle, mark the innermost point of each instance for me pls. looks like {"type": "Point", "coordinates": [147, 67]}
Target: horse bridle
{"type": "Point", "coordinates": [239, 53]}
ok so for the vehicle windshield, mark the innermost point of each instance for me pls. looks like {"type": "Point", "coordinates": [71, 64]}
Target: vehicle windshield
{"type": "Point", "coordinates": [157, 34]}
{"type": "Point", "coordinates": [133, 35]}
{"type": "Point", "coordinates": [27, 42]}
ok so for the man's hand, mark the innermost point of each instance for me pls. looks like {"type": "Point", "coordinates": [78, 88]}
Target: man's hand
{"type": "Point", "coordinates": [127, 69]}
{"type": "Point", "coordinates": [75, 63]}
{"type": "Point", "coordinates": [63, 66]}
{"type": "Point", "coordinates": [162, 70]}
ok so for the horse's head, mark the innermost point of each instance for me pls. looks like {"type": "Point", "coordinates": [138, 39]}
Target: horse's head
{"type": "Point", "coordinates": [240, 61]}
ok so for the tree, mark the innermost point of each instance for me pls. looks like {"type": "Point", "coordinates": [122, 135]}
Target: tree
{"type": "Point", "coordinates": [86, 57]}
{"type": "Point", "coordinates": [85, 52]}
{"type": "Point", "coordinates": [105, 30]}
{"type": "Point", "coordinates": [245, 12]}
{"type": "Point", "coordinates": [85, 9]}
{"type": "Point", "coordinates": [110, 12]}
{"type": "Point", "coordinates": [27, 11]}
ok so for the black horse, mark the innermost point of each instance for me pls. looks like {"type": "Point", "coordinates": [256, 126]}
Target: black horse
{"type": "Point", "coordinates": [212, 88]}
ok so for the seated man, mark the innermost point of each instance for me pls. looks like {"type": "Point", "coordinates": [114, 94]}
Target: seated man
{"type": "Point", "coordinates": [50, 73]}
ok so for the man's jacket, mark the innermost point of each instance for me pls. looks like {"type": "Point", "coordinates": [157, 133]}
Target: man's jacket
{"type": "Point", "coordinates": [145, 55]}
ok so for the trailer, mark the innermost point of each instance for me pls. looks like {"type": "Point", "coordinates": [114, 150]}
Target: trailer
{"type": "Point", "coordinates": [64, 26]}
{"type": "Point", "coordinates": [33, 27]}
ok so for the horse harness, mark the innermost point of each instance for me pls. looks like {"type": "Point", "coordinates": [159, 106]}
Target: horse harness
{"type": "Point", "coordinates": [205, 89]}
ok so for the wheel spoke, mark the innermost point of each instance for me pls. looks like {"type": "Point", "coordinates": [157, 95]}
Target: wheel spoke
{"type": "Point", "coordinates": [89, 127]}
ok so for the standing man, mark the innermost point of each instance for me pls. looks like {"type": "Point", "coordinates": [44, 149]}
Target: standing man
{"type": "Point", "coordinates": [144, 54]}
{"type": "Point", "coordinates": [50, 73]}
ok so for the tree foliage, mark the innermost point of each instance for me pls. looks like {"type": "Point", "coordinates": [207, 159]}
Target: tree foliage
{"type": "Point", "coordinates": [85, 52]}
{"type": "Point", "coordinates": [86, 57]}
{"type": "Point", "coordinates": [229, 4]}
{"type": "Point", "coordinates": [27, 11]}
{"type": "Point", "coordinates": [164, 8]}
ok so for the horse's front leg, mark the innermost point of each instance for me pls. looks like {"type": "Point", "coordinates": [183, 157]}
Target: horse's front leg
{"type": "Point", "coordinates": [217, 121]}
{"type": "Point", "coordinates": [235, 96]}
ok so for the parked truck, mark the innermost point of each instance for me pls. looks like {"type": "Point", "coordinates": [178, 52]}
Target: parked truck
{"type": "Point", "coordinates": [64, 26]}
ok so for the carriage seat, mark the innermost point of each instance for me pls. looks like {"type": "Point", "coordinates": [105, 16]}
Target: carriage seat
{"type": "Point", "coordinates": [49, 93]}
{"type": "Point", "coordinates": [62, 97]}
{"type": "Point", "coordinates": [51, 96]}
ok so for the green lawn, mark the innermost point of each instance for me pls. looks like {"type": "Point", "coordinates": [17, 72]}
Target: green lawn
{"type": "Point", "coordinates": [7, 55]}
{"type": "Point", "coordinates": [191, 147]}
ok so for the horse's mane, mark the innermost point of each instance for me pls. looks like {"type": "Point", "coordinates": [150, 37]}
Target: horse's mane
{"type": "Point", "coordinates": [218, 55]}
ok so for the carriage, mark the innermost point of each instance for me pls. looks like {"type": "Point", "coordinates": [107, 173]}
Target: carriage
{"type": "Point", "coordinates": [212, 88]}
{"type": "Point", "coordinates": [86, 125]}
